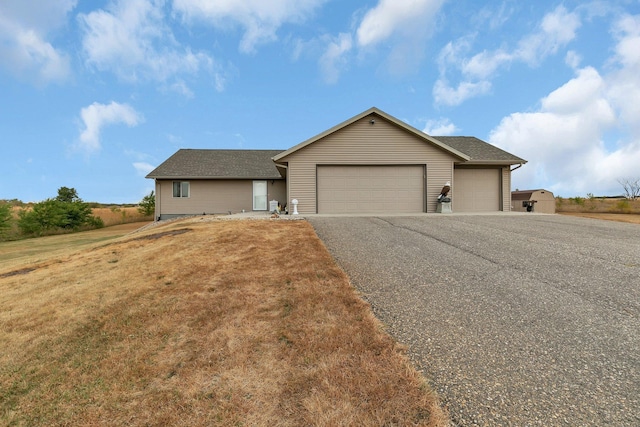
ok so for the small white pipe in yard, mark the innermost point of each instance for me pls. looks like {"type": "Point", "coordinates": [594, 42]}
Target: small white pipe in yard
{"type": "Point", "coordinates": [294, 202]}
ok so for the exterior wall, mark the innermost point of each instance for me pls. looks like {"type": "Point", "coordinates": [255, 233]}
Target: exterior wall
{"type": "Point", "coordinates": [545, 201]}
{"type": "Point", "coordinates": [362, 143]}
{"type": "Point", "coordinates": [506, 188]}
{"type": "Point", "coordinates": [212, 197]}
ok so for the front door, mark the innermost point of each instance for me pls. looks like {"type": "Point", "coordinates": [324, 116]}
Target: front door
{"type": "Point", "coordinates": [259, 195]}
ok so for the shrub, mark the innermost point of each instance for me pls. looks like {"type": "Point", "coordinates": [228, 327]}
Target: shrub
{"type": "Point", "coordinates": [76, 214]}
{"type": "Point", "coordinates": [5, 217]}
{"type": "Point", "coordinates": [95, 222]}
{"type": "Point", "coordinates": [65, 212]}
{"type": "Point", "coordinates": [623, 206]}
{"type": "Point", "coordinates": [577, 200]}
{"type": "Point", "coordinates": [148, 204]}
{"type": "Point", "coordinates": [43, 217]}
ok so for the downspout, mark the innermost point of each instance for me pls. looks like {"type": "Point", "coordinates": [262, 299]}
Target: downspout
{"type": "Point", "coordinates": [511, 170]}
{"type": "Point", "coordinates": [158, 200]}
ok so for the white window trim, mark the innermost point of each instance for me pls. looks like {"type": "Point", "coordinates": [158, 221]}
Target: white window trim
{"type": "Point", "coordinates": [181, 188]}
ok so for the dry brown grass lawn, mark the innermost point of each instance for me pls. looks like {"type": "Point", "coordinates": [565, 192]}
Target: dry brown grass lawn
{"type": "Point", "coordinates": [621, 210]}
{"type": "Point", "coordinates": [597, 205]}
{"type": "Point", "coordinates": [119, 215]}
{"type": "Point", "coordinates": [34, 250]}
{"type": "Point", "coordinates": [200, 323]}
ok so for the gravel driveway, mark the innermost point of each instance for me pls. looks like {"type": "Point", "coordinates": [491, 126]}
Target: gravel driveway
{"type": "Point", "coordinates": [522, 320]}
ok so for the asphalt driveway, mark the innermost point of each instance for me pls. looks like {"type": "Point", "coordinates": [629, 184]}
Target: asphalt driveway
{"type": "Point", "coordinates": [523, 320]}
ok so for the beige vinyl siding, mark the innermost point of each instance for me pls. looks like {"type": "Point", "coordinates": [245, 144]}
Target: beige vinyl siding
{"type": "Point", "coordinates": [438, 174]}
{"type": "Point", "coordinates": [212, 197]}
{"type": "Point", "coordinates": [362, 143]}
{"type": "Point", "coordinates": [506, 189]}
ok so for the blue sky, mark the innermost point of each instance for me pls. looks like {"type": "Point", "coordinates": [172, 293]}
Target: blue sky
{"type": "Point", "coordinates": [94, 95]}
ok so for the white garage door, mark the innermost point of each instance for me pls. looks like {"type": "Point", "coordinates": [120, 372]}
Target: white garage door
{"type": "Point", "coordinates": [476, 190]}
{"type": "Point", "coordinates": [371, 189]}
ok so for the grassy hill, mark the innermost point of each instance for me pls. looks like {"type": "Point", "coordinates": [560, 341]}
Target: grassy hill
{"type": "Point", "coordinates": [197, 322]}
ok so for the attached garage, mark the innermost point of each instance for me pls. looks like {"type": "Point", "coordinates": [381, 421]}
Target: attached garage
{"type": "Point", "coordinates": [476, 190]}
{"type": "Point", "coordinates": [371, 188]}
{"type": "Point", "coordinates": [375, 163]}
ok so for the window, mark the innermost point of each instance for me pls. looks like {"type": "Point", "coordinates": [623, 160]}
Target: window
{"type": "Point", "coordinates": [180, 188]}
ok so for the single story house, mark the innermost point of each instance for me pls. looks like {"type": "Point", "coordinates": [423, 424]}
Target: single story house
{"type": "Point", "coordinates": [370, 163]}
{"type": "Point", "coordinates": [541, 201]}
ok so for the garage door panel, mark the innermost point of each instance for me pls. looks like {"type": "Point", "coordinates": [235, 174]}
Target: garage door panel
{"type": "Point", "coordinates": [476, 190]}
{"type": "Point", "coordinates": [370, 189]}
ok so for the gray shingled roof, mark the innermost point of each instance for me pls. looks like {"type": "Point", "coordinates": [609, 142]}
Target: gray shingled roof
{"type": "Point", "coordinates": [258, 164]}
{"type": "Point", "coordinates": [220, 164]}
{"type": "Point", "coordinates": [478, 150]}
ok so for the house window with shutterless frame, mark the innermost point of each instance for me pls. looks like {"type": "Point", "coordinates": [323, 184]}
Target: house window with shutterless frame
{"type": "Point", "coordinates": [180, 188]}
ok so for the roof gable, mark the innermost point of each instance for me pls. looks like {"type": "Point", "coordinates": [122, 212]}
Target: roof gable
{"type": "Point", "coordinates": [379, 113]}
{"type": "Point", "coordinates": [218, 164]}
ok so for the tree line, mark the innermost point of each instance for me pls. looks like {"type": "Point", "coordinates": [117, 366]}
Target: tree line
{"type": "Point", "coordinates": [66, 212]}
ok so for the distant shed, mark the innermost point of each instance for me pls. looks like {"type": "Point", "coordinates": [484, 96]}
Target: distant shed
{"type": "Point", "coordinates": [541, 201]}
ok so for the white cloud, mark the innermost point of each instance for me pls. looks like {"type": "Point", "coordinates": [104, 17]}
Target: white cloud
{"type": "Point", "coordinates": [627, 31]}
{"type": "Point", "coordinates": [494, 18]}
{"type": "Point", "coordinates": [332, 62]}
{"type": "Point", "coordinates": [131, 39]}
{"type": "Point", "coordinates": [556, 30]}
{"type": "Point", "coordinates": [440, 127]}
{"type": "Point", "coordinates": [142, 168]}
{"type": "Point", "coordinates": [444, 94]}
{"type": "Point", "coordinates": [45, 16]}
{"type": "Point", "coordinates": [403, 26]}
{"type": "Point", "coordinates": [625, 92]}
{"type": "Point", "coordinates": [483, 65]}
{"type": "Point", "coordinates": [453, 53]}
{"type": "Point", "coordinates": [24, 48]}
{"type": "Point", "coordinates": [581, 140]}
{"type": "Point", "coordinates": [260, 19]}
{"type": "Point", "coordinates": [180, 87]}
{"type": "Point", "coordinates": [573, 59]}
{"type": "Point", "coordinates": [579, 94]}
{"type": "Point", "coordinates": [389, 17]}
{"type": "Point", "coordinates": [96, 116]}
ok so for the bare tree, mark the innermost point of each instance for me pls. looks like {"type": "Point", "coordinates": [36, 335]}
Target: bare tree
{"type": "Point", "coordinates": [631, 187]}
